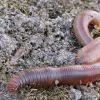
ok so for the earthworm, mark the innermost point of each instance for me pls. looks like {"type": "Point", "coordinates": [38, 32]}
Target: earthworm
{"type": "Point", "coordinates": [47, 76]}
{"type": "Point", "coordinates": [89, 54]}
{"type": "Point", "coordinates": [81, 23]}
{"type": "Point", "coordinates": [67, 74]}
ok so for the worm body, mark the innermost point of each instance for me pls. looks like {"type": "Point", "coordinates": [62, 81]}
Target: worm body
{"type": "Point", "coordinates": [81, 23]}
{"type": "Point", "coordinates": [47, 76]}
{"type": "Point", "coordinates": [90, 53]}
{"type": "Point", "coordinates": [88, 56]}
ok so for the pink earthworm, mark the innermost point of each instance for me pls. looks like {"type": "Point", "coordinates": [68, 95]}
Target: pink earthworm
{"type": "Point", "coordinates": [89, 54]}
{"type": "Point", "coordinates": [88, 57]}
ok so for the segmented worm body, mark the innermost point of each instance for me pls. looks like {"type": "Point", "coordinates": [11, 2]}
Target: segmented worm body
{"type": "Point", "coordinates": [81, 23]}
{"type": "Point", "coordinates": [47, 76]}
{"type": "Point", "coordinates": [68, 74]}
{"type": "Point", "coordinates": [89, 54]}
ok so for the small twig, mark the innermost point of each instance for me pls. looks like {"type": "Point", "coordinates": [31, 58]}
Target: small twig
{"type": "Point", "coordinates": [19, 53]}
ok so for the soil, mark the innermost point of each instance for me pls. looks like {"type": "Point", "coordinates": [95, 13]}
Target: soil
{"type": "Point", "coordinates": [40, 32]}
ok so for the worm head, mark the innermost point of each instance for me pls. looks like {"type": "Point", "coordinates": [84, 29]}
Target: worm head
{"type": "Point", "coordinates": [12, 85]}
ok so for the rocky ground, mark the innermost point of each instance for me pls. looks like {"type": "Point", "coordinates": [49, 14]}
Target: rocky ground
{"type": "Point", "coordinates": [41, 32]}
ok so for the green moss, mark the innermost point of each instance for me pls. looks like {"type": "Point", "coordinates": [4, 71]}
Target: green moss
{"type": "Point", "coordinates": [86, 1]}
{"type": "Point", "coordinates": [95, 32]}
{"type": "Point", "coordinates": [55, 13]}
{"type": "Point", "coordinates": [22, 7]}
{"type": "Point", "coordinates": [19, 5]}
